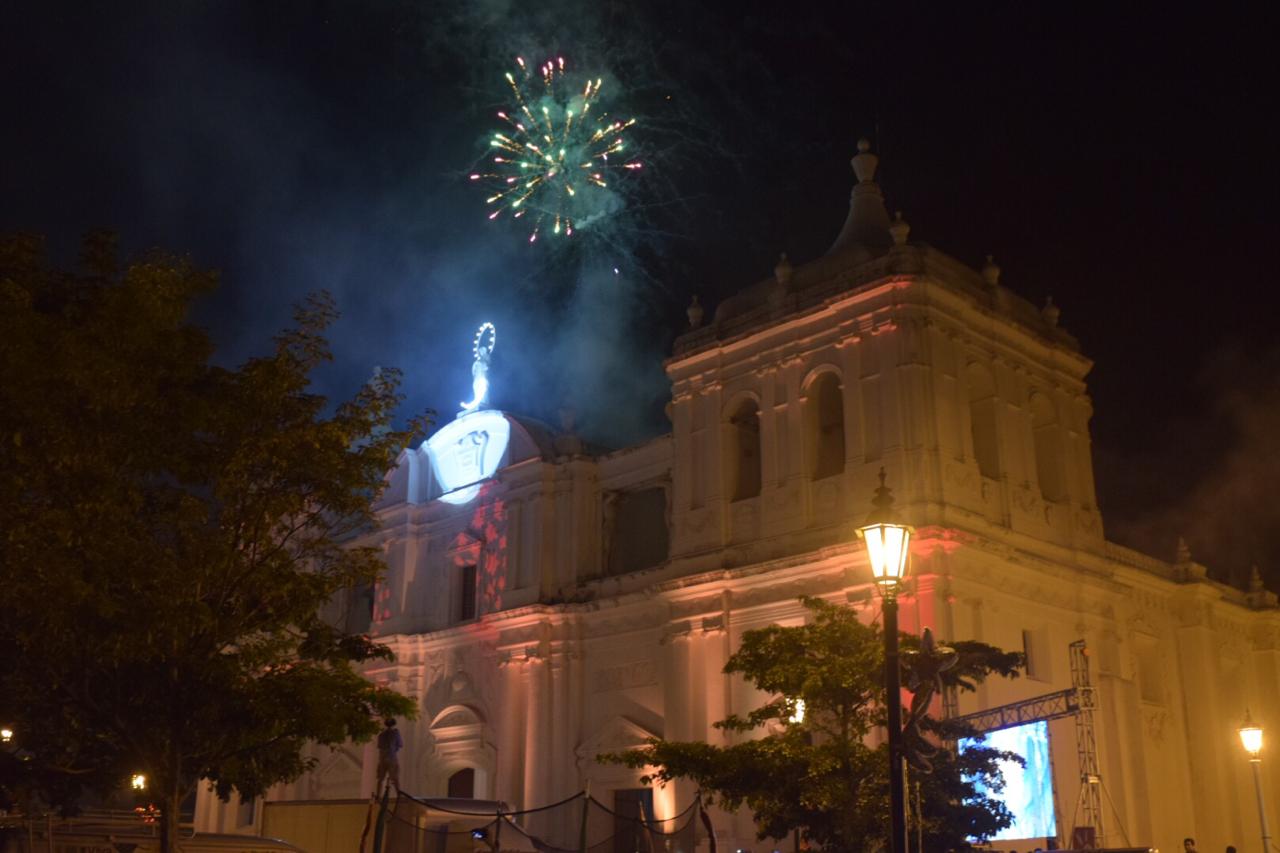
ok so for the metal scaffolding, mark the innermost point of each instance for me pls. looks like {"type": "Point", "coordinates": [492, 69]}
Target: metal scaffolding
{"type": "Point", "coordinates": [1089, 804]}
{"type": "Point", "coordinates": [1078, 701]}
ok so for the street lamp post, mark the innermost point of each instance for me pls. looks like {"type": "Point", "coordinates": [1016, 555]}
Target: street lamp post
{"type": "Point", "coordinates": [887, 549]}
{"type": "Point", "coordinates": [1251, 739]}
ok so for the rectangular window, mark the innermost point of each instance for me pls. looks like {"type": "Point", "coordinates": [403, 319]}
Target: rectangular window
{"type": "Point", "coordinates": [1035, 647]}
{"type": "Point", "coordinates": [468, 610]}
{"type": "Point", "coordinates": [635, 530]}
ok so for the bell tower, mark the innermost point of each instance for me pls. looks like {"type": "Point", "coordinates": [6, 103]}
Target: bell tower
{"type": "Point", "coordinates": [880, 352]}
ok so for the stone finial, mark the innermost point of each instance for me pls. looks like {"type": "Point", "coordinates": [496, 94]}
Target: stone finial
{"type": "Point", "coordinates": [864, 162]}
{"type": "Point", "coordinates": [1258, 597]}
{"type": "Point", "coordinates": [782, 272]}
{"type": "Point", "coordinates": [867, 225]}
{"type": "Point", "coordinates": [991, 272]}
{"type": "Point", "coordinates": [1255, 580]}
{"type": "Point", "coordinates": [1186, 569]}
{"type": "Point", "coordinates": [899, 229]}
{"type": "Point", "coordinates": [1050, 312]}
{"type": "Point", "coordinates": [694, 313]}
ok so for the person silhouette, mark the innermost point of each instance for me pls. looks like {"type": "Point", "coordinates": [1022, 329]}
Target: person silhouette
{"type": "Point", "coordinates": [389, 745]}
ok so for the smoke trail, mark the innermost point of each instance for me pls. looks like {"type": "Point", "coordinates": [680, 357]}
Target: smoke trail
{"type": "Point", "coordinates": [1221, 494]}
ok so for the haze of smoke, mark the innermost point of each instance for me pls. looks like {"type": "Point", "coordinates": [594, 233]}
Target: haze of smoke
{"type": "Point", "coordinates": [269, 149]}
{"type": "Point", "coordinates": [291, 181]}
{"type": "Point", "coordinates": [599, 289]}
{"type": "Point", "coordinates": [1228, 511]}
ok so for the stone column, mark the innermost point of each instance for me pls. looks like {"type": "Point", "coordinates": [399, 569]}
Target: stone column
{"type": "Point", "coordinates": [675, 680]}
{"type": "Point", "coordinates": [1113, 733]}
{"type": "Point", "coordinates": [575, 710]}
{"type": "Point", "coordinates": [561, 753]}
{"type": "Point", "coordinates": [682, 432]}
{"type": "Point", "coordinates": [708, 457]}
{"type": "Point", "coordinates": [1208, 724]}
{"type": "Point", "coordinates": [536, 740]}
{"type": "Point", "coordinates": [870, 384]}
{"type": "Point", "coordinates": [509, 784]}
{"type": "Point", "coordinates": [773, 431]}
{"type": "Point", "coordinates": [712, 654]}
{"type": "Point", "coordinates": [678, 723]}
{"type": "Point", "coordinates": [789, 407]}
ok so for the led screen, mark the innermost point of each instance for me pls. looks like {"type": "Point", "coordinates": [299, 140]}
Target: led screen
{"type": "Point", "coordinates": [1028, 791]}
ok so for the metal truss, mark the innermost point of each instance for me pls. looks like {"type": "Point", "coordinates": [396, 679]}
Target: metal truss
{"type": "Point", "coordinates": [1078, 701]}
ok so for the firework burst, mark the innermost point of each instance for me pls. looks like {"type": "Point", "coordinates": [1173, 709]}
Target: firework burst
{"type": "Point", "coordinates": [558, 150]}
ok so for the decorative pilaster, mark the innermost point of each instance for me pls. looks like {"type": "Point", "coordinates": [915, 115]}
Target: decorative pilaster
{"type": "Point", "coordinates": [509, 785]}
{"type": "Point", "coordinates": [676, 683]}
{"type": "Point", "coordinates": [537, 735]}
{"type": "Point", "coordinates": [712, 654]}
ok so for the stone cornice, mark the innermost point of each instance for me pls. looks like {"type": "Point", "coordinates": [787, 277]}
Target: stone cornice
{"type": "Point", "coordinates": [922, 304]}
{"type": "Point", "coordinates": [819, 288]}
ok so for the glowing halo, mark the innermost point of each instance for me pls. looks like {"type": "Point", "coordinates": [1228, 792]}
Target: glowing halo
{"type": "Point", "coordinates": [493, 339]}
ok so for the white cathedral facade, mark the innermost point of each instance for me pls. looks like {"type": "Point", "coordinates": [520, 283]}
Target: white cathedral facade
{"type": "Point", "coordinates": [546, 604]}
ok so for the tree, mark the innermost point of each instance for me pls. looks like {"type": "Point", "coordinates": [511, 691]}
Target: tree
{"type": "Point", "coordinates": [818, 775]}
{"type": "Point", "coordinates": [172, 532]}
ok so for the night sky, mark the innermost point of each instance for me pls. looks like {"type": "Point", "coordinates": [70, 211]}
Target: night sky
{"type": "Point", "coordinates": [1124, 163]}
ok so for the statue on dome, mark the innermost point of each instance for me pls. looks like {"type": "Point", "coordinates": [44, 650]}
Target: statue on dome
{"type": "Point", "coordinates": [482, 348]}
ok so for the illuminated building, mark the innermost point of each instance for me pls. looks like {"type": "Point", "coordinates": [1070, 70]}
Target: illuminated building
{"type": "Point", "coordinates": [575, 603]}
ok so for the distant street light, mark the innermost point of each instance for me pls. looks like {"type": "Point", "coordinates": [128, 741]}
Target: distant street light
{"type": "Point", "coordinates": [138, 782]}
{"type": "Point", "coordinates": [797, 712]}
{"type": "Point", "coordinates": [1251, 740]}
{"type": "Point", "coordinates": [888, 546]}
{"type": "Point", "coordinates": [6, 734]}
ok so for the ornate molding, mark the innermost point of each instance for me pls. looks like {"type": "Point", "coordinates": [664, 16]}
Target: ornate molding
{"type": "Point", "coordinates": [1155, 722]}
{"type": "Point", "coordinates": [674, 632]}
{"type": "Point", "coordinates": [624, 676]}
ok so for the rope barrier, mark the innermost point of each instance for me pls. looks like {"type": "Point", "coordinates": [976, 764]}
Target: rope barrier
{"type": "Point", "coordinates": [432, 803]}
{"type": "Point", "coordinates": [689, 808]}
{"type": "Point", "coordinates": [657, 832]}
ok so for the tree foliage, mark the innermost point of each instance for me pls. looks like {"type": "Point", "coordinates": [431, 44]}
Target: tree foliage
{"type": "Point", "coordinates": [820, 776]}
{"type": "Point", "coordinates": [170, 533]}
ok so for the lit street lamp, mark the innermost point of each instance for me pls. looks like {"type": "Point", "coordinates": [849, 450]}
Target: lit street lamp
{"type": "Point", "coordinates": [138, 782]}
{"type": "Point", "coordinates": [888, 544]}
{"type": "Point", "coordinates": [1251, 740]}
{"type": "Point", "coordinates": [6, 734]}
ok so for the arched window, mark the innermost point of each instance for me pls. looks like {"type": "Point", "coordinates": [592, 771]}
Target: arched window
{"type": "Point", "coordinates": [744, 451]}
{"type": "Point", "coordinates": [462, 785]}
{"type": "Point", "coordinates": [1047, 436]}
{"type": "Point", "coordinates": [983, 408]}
{"type": "Point", "coordinates": [464, 759]}
{"type": "Point", "coordinates": [824, 411]}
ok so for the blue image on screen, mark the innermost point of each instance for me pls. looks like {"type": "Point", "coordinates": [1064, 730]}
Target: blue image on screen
{"type": "Point", "coordinates": [1028, 791]}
